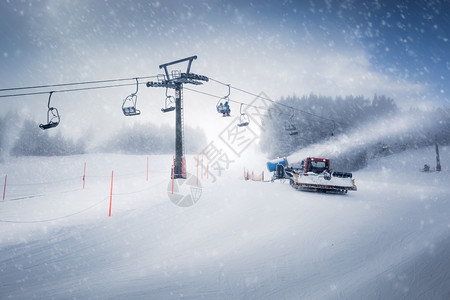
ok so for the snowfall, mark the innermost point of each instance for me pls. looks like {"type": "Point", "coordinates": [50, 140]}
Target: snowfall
{"type": "Point", "coordinates": [238, 240]}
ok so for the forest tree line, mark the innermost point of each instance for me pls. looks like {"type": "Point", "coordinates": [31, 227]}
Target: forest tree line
{"type": "Point", "coordinates": [320, 118]}
{"type": "Point", "coordinates": [28, 139]}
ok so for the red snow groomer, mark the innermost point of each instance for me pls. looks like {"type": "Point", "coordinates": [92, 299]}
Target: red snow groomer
{"type": "Point", "coordinates": [313, 174]}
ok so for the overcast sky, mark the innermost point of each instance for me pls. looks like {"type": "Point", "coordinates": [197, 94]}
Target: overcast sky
{"type": "Point", "coordinates": [400, 49]}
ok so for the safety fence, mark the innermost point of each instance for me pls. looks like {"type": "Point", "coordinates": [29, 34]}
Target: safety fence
{"type": "Point", "coordinates": [60, 185]}
{"type": "Point", "coordinates": [252, 176]}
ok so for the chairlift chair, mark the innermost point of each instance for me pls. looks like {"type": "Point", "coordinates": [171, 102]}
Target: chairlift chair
{"type": "Point", "coordinates": [53, 117]}
{"type": "Point", "coordinates": [129, 104]}
{"type": "Point", "coordinates": [243, 118]}
{"type": "Point", "coordinates": [290, 127]}
{"type": "Point", "coordinates": [334, 129]}
{"type": "Point", "coordinates": [169, 103]}
{"type": "Point", "coordinates": [221, 107]}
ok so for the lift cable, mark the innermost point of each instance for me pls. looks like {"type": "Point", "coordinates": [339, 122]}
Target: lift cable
{"type": "Point", "coordinates": [229, 99]}
{"type": "Point", "coordinates": [71, 90]}
{"type": "Point", "coordinates": [270, 110]}
{"type": "Point", "coordinates": [272, 101]}
{"type": "Point", "coordinates": [74, 83]}
{"type": "Point", "coordinates": [145, 77]}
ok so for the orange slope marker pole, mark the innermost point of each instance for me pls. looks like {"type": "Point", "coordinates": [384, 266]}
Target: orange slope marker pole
{"type": "Point", "coordinates": [197, 167]}
{"type": "Point", "coordinates": [173, 173]}
{"type": "Point", "coordinates": [207, 166]}
{"type": "Point", "coordinates": [84, 175]}
{"type": "Point", "coordinates": [202, 165]}
{"type": "Point", "coordinates": [4, 187]}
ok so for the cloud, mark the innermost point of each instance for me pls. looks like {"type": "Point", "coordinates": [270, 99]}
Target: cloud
{"type": "Point", "coordinates": [281, 70]}
{"type": "Point", "coordinates": [351, 73]}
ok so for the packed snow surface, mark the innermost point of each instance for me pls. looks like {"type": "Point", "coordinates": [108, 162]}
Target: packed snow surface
{"type": "Point", "coordinates": [240, 240]}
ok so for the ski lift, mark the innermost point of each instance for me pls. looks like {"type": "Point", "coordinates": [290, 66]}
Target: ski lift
{"type": "Point", "coordinates": [243, 118]}
{"type": "Point", "coordinates": [224, 108]}
{"type": "Point", "coordinates": [169, 103]}
{"type": "Point", "coordinates": [53, 117]}
{"type": "Point", "coordinates": [290, 127]}
{"type": "Point", "coordinates": [129, 104]}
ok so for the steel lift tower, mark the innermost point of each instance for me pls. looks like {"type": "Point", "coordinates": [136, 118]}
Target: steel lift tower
{"type": "Point", "coordinates": [175, 80]}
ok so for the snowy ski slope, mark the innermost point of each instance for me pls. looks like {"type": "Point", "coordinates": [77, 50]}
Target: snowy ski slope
{"type": "Point", "coordinates": [241, 240]}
